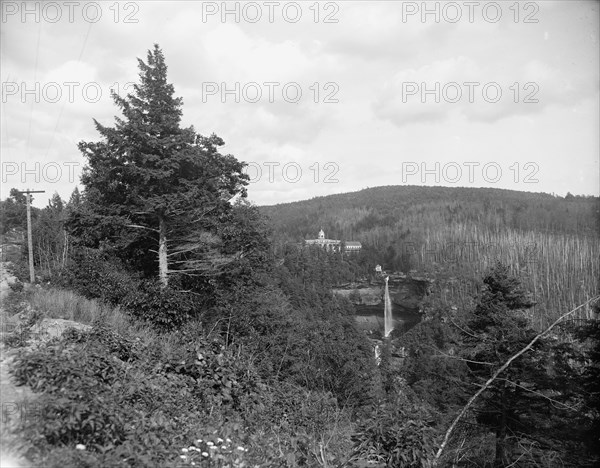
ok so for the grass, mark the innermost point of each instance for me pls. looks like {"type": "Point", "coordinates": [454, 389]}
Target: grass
{"type": "Point", "coordinates": [53, 303]}
{"type": "Point", "coordinates": [172, 406]}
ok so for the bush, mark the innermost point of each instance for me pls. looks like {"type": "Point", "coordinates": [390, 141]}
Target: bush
{"type": "Point", "coordinates": [94, 276]}
{"type": "Point", "coordinates": [398, 437]}
{"type": "Point", "coordinates": [16, 286]}
{"type": "Point", "coordinates": [20, 269]}
{"type": "Point", "coordinates": [307, 426]}
{"type": "Point", "coordinates": [166, 308]}
{"type": "Point", "coordinates": [132, 404]}
{"type": "Point", "coordinates": [19, 332]}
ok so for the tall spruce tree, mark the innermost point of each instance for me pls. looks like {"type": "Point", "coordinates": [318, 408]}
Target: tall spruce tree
{"type": "Point", "coordinates": [153, 186]}
{"type": "Point", "coordinates": [530, 407]}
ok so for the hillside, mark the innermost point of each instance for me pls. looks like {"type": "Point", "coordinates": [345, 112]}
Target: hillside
{"type": "Point", "coordinates": [202, 334]}
{"type": "Point", "coordinates": [348, 214]}
{"type": "Point", "coordinates": [455, 234]}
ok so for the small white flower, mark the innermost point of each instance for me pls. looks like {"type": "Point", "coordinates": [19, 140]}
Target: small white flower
{"type": "Point", "coordinates": [228, 440]}
{"type": "Point", "coordinates": [80, 447]}
{"type": "Point", "coordinates": [199, 441]}
{"type": "Point", "coordinates": [219, 440]}
{"type": "Point", "coordinates": [184, 450]}
{"type": "Point", "coordinates": [240, 448]}
{"type": "Point", "coordinates": [183, 456]}
{"type": "Point", "coordinates": [204, 454]}
{"type": "Point", "coordinates": [209, 443]}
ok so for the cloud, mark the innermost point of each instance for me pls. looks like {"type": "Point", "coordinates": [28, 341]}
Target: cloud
{"type": "Point", "coordinates": [461, 87]}
{"type": "Point", "coordinates": [369, 54]}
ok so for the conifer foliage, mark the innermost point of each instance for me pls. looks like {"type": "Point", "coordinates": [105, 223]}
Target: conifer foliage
{"type": "Point", "coordinates": [528, 408]}
{"type": "Point", "coordinates": [152, 186]}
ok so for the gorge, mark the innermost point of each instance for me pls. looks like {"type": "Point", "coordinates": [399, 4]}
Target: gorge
{"type": "Point", "coordinates": [406, 294]}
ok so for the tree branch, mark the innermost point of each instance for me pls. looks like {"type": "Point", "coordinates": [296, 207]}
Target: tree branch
{"type": "Point", "coordinates": [141, 227]}
{"type": "Point", "coordinates": [462, 329]}
{"type": "Point", "coordinates": [497, 373]}
{"type": "Point", "coordinates": [442, 354]}
{"type": "Point", "coordinates": [551, 400]}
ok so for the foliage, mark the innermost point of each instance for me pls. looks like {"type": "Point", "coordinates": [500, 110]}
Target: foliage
{"type": "Point", "coordinates": [50, 240]}
{"type": "Point", "coordinates": [397, 437]}
{"type": "Point", "coordinates": [458, 234]}
{"type": "Point", "coordinates": [93, 274]}
{"type": "Point", "coordinates": [151, 185]}
{"type": "Point", "coordinates": [13, 212]}
{"type": "Point", "coordinates": [164, 308]}
{"type": "Point", "coordinates": [530, 404]}
{"type": "Point", "coordinates": [588, 335]}
{"type": "Point", "coordinates": [434, 374]}
{"type": "Point", "coordinates": [316, 345]}
{"type": "Point", "coordinates": [16, 286]}
{"type": "Point", "coordinates": [103, 390]}
{"type": "Point", "coordinates": [19, 269]}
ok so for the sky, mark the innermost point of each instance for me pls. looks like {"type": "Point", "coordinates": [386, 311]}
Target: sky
{"type": "Point", "coordinates": [318, 97]}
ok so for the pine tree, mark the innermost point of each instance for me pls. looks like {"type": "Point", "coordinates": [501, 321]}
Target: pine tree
{"type": "Point", "coordinates": [152, 186]}
{"type": "Point", "coordinates": [528, 402]}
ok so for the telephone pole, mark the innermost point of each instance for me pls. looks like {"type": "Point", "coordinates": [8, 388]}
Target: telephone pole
{"type": "Point", "coordinates": [29, 235]}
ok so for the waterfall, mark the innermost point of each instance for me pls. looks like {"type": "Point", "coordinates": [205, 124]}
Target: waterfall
{"type": "Point", "coordinates": [388, 321]}
{"type": "Point", "coordinates": [377, 354]}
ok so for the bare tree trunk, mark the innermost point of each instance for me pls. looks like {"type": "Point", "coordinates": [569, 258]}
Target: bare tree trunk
{"type": "Point", "coordinates": [65, 248]}
{"type": "Point", "coordinates": [501, 432]}
{"type": "Point", "coordinates": [163, 266]}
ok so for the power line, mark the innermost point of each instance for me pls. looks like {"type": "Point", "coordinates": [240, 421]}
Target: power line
{"type": "Point", "coordinates": [62, 107]}
{"type": "Point", "coordinates": [5, 125]}
{"type": "Point", "coordinates": [37, 56]}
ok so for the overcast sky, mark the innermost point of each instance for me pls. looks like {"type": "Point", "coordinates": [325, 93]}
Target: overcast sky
{"type": "Point", "coordinates": [478, 94]}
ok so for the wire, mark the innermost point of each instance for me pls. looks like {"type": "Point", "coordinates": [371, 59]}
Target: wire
{"type": "Point", "coordinates": [5, 125]}
{"type": "Point", "coordinates": [62, 108]}
{"type": "Point", "coordinates": [37, 56]}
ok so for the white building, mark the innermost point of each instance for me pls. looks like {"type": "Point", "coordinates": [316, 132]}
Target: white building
{"type": "Point", "coordinates": [334, 244]}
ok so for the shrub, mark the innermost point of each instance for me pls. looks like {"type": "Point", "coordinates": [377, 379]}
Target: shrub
{"type": "Point", "coordinates": [20, 269]}
{"type": "Point", "coordinates": [16, 286]}
{"type": "Point", "coordinates": [396, 436]}
{"type": "Point", "coordinates": [93, 275]}
{"type": "Point", "coordinates": [19, 332]}
{"type": "Point", "coordinates": [17, 338]}
{"type": "Point", "coordinates": [307, 426]}
{"type": "Point", "coordinates": [166, 308]}
{"type": "Point", "coordinates": [129, 407]}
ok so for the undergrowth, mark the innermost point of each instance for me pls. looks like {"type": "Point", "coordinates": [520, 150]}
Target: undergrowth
{"type": "Point", "coordinates": [137, 398]}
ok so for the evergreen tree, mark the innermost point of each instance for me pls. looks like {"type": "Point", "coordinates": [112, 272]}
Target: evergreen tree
{"type": "Point", "coordinates": [526, 403]}
{"type": "Point", "coordinates": [152, 186]}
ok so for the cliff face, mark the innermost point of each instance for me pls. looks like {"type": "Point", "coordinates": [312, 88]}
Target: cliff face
{"type": "Point", "coordinates": [406, 292]}
{"type": "Point", "coordinates": [362, 294]}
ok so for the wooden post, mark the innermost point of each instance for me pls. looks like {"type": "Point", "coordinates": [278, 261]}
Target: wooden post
{"type": "Point", "coordinates": [30, 240]}
{"type": "Point", "coordinates": [29, 233]}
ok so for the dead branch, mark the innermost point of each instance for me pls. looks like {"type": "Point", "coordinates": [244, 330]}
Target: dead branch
{"type": "Point", "coordinates": [141, 227]}
{"type": "Point", "coordinates": [497, 373]}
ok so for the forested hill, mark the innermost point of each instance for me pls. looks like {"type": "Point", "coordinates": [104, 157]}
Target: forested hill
{"type": "Point", "coordinates": [456, 234]}
{"type": "Point", "coordinates": [348, 215]}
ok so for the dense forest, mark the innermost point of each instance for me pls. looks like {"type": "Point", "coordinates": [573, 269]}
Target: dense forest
{"type": "Point", "coordinates": [215, 339]}
{"type": "Point", "coordinates": [456, 234]}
